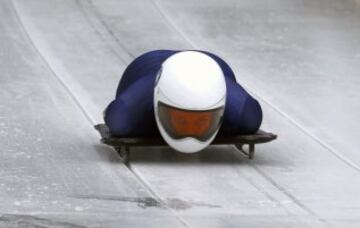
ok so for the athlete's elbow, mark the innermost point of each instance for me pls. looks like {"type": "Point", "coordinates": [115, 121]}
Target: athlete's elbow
{"type": "Point", "coordinates": [252, 116]}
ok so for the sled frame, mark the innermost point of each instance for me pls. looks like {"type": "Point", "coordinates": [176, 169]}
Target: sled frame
{"type": "Point", "coordinates": [123, 144]}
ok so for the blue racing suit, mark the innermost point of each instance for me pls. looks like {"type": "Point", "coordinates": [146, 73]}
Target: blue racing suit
{"type": "Point", "coordinates": [131, 114]}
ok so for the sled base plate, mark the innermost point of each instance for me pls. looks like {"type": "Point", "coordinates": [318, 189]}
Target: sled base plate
{"type": "Point", "coordinates": [122, 144]}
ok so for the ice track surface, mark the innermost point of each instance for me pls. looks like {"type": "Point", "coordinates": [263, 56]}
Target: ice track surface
{"type": "Point", "coordinates": [60, 62]}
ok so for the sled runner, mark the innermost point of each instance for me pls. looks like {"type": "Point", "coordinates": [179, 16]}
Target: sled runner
{"type": "Point", "coordinates": [122, 144]}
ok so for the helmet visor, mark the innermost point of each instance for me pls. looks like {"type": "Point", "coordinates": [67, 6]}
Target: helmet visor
{"type": "Point", "coordinates": [181, 123]}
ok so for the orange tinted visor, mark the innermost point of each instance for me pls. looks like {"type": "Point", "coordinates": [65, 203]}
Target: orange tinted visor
{"type": "Point", "coordinates": [181, 123]}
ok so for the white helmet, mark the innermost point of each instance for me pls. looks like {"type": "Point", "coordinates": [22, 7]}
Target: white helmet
{"type": "Point", "coordinates": [189, 100]}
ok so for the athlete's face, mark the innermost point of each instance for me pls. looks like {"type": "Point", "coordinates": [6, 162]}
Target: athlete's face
{"type": "Point", "coordinates": [190, 123]}
{"type": "Point", "coordinates": [182, 123]}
